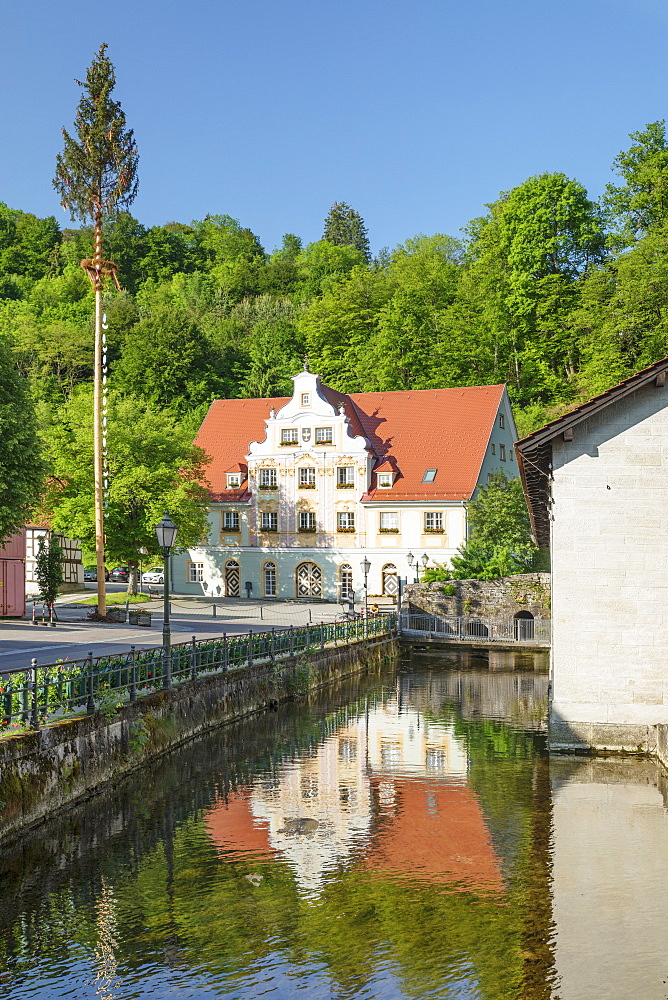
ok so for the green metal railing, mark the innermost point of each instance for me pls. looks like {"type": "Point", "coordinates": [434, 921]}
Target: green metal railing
{"type": "Point", "coordinates": [31, 697]}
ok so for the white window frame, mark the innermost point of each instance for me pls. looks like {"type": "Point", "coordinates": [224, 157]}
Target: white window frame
{"type": "Point", "coordinates": [347, 589]}
{"type": "Point", "coordinates": [268, 520]}
{"type": "Point", "coordinates": [345, 521]}
{"type": "Point", "coordinates": [233, 517]}
{"type": "Point", "coordinates": [233, 480]}
{"type": "Point", "coordinates": [324, 435]}
{"type": "Point", "coordinates": [289, 435]}
{"type": "Point", "coordinates": [268, 479]}
{"type": "Point", "coordinates": [306, 399]}
{"type": "Point", "coordinates": [270, 579]}
{"type": "Point", "coordinates": [384, 480]}
{"type": "Point", "coordinates": [389, 521]}
{"type": "Point", "coordinates": [502, 421]}
{"type": "Point", "coordinates": [433, 522]}
{"type": "Point", "coordinates": [306, 477]}
{"type": "Point", "coordinates": [195, 572]}
{"type": "Point", "coordinates": [502, 452]}
{"type": "Point", "coordinates": [307, 521]}
{"type": "Point", "coordinates": [345, 476]}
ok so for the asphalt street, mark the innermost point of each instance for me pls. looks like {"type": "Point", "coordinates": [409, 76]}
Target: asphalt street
{"type": "Point", "coordinates": [74, 637]}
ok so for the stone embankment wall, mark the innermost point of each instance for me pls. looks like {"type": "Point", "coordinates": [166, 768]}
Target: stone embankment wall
{"type": "Point", "coordinates": [43, 771]}
{"type": "Point", "coordinates": [501, 598]}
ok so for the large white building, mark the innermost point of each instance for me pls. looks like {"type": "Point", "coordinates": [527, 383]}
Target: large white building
{"type": "Point", "coordinates": [304, 490]}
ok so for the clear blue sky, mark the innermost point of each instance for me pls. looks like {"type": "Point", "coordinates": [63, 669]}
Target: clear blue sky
{"type": "Point", "coordinates": [415, 113]}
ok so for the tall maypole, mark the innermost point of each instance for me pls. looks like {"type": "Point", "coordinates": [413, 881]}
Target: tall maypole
{"type": "Point", "coordinates": [96, 176]}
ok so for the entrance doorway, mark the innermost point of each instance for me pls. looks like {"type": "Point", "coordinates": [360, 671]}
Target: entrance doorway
{"type": "Point", "coordinates": [232, 579]}
{"type": "Point", "coordinates": [309, 580]}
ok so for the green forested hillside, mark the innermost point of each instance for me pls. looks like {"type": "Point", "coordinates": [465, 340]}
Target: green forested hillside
{"type": "Point", "coordinates": [548, 291]}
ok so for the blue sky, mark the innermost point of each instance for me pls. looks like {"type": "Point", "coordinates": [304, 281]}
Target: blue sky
{"type": "Point", "coordinates": [416, 114]}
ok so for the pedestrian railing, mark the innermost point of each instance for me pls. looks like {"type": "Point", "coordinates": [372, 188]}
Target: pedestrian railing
{"type": "Point", "coordinates": [470, 628]}
{"type": "Point", "coordinates": [33, 696]}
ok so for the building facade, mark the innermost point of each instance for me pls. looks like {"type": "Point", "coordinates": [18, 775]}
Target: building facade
{"type": "Point", "coordinates": [72, 561]}
{"type": "Point", "coordinates": [596, 481]}
{"type": "Point", "coordinates": [305, 490]}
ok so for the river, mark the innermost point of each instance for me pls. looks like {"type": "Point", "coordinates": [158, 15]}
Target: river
{"type": "Point", "coordinates": [402, 836]}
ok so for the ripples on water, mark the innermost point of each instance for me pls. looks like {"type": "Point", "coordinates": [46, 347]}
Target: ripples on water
{"type": "Point", "coordinates": [398, 839]}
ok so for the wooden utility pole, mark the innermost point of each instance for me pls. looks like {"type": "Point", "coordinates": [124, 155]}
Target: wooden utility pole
{"type": "Point", "coordinates": [96, 176]}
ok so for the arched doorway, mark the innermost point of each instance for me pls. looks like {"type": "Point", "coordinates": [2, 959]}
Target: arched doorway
{"type": "Point", "coordinates": [524, 625]}
{"type": "Point", "coordinates": [269, 573]}
{"type": "Point", "coordinates": [390, 580]}
{"type": "Point", "coordinates": [232, 578]}
{"type": "Point", "coordinates": [309, 580]}
{"type": "Point", "coordinates": [347, 592]}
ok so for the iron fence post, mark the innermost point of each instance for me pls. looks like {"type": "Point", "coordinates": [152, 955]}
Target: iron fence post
{"type": "Point", "coordinates": [250, 648]}
{"type": "Point", "coordinates": [322, 636]}
{"type": "Point", "coordinates": [308, 639]}
{"type": "Point", "coordinates": [193, 665]}
{"type": "Point", "coordinates": [34, 719]}
{"type": "Point", "coordinates": [272, 648]}
{"type": "Point", "coordinates": [292, 640]}
{"type": "Point", "coordinates": [225, 652]}
{"type": "Point", "coordinates": [7, 702]}
{"type": "Point", "coordinates": [133, 674]}
{"type": "Point", "coordinates": [90, 704]}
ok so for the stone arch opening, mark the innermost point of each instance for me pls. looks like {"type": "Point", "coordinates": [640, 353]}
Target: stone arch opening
{"type": "Point", "coordinates": [524, 625]}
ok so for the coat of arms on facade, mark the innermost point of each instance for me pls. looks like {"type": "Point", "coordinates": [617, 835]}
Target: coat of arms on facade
{"type": "Point", "coordinates": [306, 434]}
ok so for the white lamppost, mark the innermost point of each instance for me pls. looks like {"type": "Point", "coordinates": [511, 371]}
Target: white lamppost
{"type": "Point", "coordinates": [366, 566]}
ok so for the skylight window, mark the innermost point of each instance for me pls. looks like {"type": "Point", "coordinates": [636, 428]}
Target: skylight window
{"type": "Point", "coordinates": [429, 476]}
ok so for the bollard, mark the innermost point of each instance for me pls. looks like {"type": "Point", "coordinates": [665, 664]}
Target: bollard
{"type": "Point", "coordinates": [133, 675]}
{"type": "Point", "coordinates": [34, 611]}
{"type": "Point", "coordinates": [34, 720]}
{"type": "Point", "coordinates": [213, 610]}
{"type": "Point", "coordinates": [51, 621]}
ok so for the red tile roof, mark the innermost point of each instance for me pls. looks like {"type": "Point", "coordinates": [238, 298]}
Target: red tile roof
{"type": "Point", "coordinates": [415, 430]}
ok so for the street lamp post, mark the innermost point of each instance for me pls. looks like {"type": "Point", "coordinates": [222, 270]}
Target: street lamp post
{"type": "Point", "coordinates": [366, 566]}
{"type": "Point", "coordinates": [410, 559]}
{"type": "Point", "coordinates": [166, 534]}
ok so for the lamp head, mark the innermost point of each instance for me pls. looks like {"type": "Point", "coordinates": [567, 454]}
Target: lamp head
{"type": "Point", "coordinates": [410, 559]}
{"type": "Point", "coordinates": [425, 560]}
{"type": "Point", "coordinates": [166, 532]}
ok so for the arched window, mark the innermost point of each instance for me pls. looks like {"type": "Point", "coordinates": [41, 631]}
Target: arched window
{"type": "Point", "coordinates": [390, 580]}
{"type": "Point", "coordinates": [347, 592]}
{"type": "Point", "coordinates": [309, 580]}
{"type": "Point", "coordinates": [232, 578]}
{"type": "Point", "coordinates": [269, 579]}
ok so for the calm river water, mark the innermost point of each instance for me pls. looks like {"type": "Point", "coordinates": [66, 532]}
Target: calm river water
{"type": "Point", "coordinates": [405, 836]}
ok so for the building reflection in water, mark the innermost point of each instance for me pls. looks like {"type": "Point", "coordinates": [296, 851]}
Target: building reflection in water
{"type": "Point", "coordinates": [386, 793]}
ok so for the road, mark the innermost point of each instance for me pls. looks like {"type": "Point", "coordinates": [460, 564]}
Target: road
{"type": "Point", "coordinates": [21, 641]}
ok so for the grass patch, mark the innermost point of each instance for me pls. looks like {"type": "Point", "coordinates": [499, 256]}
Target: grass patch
{"type": "Point", "coordinates": [117, 598]}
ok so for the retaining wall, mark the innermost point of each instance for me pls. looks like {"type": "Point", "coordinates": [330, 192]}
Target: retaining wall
{"type": "Point", "coordinates": [44, 771]}
{"type": "Point", "coordinates": [501, 598]}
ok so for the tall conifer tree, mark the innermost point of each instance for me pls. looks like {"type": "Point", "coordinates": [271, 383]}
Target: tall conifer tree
{"type": "Point", "coordinates": [345, 227]}
{"type": "Point", "coordinates": [96, 176]}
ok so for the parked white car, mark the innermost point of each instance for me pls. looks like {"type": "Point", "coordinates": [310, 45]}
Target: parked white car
{"type": "Point", "coordinates": [155, 575]}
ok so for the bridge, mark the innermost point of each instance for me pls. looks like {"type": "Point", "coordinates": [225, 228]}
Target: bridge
{"type": "Point", "coordinates": [475, 631]}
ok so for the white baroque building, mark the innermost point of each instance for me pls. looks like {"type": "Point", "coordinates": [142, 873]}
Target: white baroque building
{"type": "Point", "coordinates": [305, 490]}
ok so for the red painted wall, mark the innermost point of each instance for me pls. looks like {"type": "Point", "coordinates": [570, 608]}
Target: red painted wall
{"type": "Point", "coordinates": [13, 576]}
